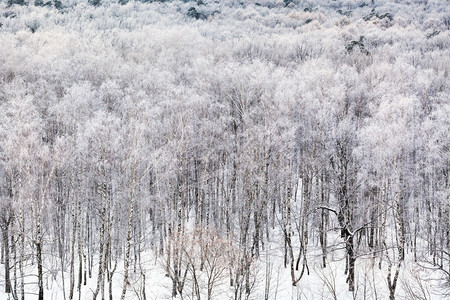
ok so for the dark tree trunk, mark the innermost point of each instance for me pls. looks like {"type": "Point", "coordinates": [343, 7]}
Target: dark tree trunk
{"type": "Point", "coordinates": [6, 258]}
{"type": "Point", "coordinates": [40, 273]}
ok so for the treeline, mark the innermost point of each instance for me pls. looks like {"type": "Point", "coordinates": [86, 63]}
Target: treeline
{"type": "Point", "coordinates": [123, 128]}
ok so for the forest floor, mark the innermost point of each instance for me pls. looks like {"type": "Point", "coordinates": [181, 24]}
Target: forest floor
{"type": "Point", "coordinates": [269, 275]}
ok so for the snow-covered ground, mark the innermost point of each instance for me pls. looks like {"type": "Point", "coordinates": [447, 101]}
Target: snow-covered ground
{"type": "Point", "coordinates": [320, 283]}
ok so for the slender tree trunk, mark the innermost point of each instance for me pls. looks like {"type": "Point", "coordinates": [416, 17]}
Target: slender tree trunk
{"type": "Point", "coordinates": [21, 253]}
{"type": "Point", "coordinates": [392, 282]}
{"type": "Point", "coordinates": [81, 256]}
{"type": "Point", "coordinates": [89, 242]}
{"type": "Point", "coordinates": [39, 264]}
{"type": "Point", "coordinates": [100, 279]}
{"type": "Point", "coordinates": [72, 257]}
{"type": "Point", "coordinates": [127, 252]}
{"type": "Point", "coordinates": [6, 258]}
{"type": "Point", "coordinates": [75, 213]}
{"type": "Point", "coordinates": [14, 254]}
{"type": "Point", "coordinates": [110, 281]}
{"type": "Point", "coordinates": [106, 260]}
{"type": "Point", "coordinates": [323, 222]}
{"type": "Point", "coordinates": [351, 263]}
{"type": "Point", "coordinates": [345, 214]}
{"type": "Point", "coordinates": [132, 186]}
{"type": "Point", "coordinates": [288, 237]}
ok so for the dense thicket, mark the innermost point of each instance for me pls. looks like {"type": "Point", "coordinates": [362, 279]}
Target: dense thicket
{"type": "Point", "coordinates": [218, 125]}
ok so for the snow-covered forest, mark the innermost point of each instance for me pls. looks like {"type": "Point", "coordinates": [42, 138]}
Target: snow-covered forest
{"type": "Point", "coordinates": [224, 149]}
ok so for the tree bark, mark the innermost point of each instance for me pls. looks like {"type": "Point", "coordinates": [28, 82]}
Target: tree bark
{"type": "Point", "coordinates": [6, 258]}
